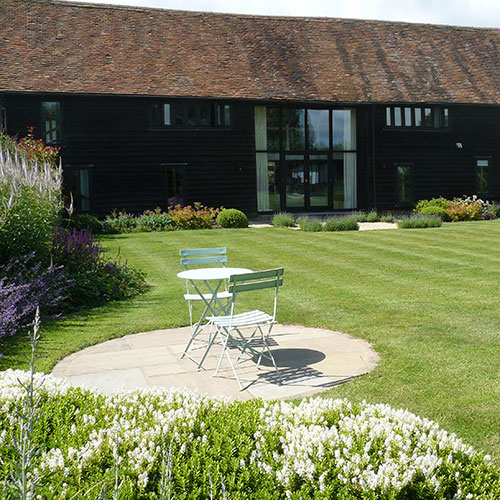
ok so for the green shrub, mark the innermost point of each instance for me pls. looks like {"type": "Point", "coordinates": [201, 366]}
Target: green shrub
{"type": "Point", "coordinates": [30, 205]}
{"type": "Point", "coordinates": [469, 208]}
{"type": "Point", "coordinates": [193, 217]}
{"type": "Point", "coordinates": [283, 220]}
{"type": "Point", "coordinates": [231, 217]}
{"type": "Point", "coordinates": [198, 447]}
{"type": "Point", "coordinates": [495, 209]}
{"type": "Point", "coordinates": [387, 218]}
{"type": "Point", "coordinates": [420, 222]}
{"type": "Point", "coordinates": [372, 216]}
{"type": "Point", "coordinates": [341, 224]}
{"type": "Point", "coordinates": [150, 220]}
{"type": "Point", "coordinates": [83, 221]}
{"type": "Point", "coordinates": [434, 206]}
{"type": "Point", "coordinates": [309, 224]}
{"type": "Point", "coordinates": [361, 217]}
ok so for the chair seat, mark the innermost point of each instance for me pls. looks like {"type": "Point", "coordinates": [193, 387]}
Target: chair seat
{"type": "Point", "coordinates": [243, 319]}
{"type": "Point", "coordinates": [207, 296]}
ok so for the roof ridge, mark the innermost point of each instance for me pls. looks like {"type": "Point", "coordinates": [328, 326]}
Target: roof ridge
{"type": "Point", "coordinates": [138, 8]}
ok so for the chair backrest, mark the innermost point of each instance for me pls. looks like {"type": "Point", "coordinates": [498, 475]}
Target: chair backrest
{"type": "Point", "coordinates": [258, 280]}
{"type": "Point", "coordinates": [203, 256]}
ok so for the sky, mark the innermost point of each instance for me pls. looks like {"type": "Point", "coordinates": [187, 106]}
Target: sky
{"type": "Point", "coordinates": [456, 12]}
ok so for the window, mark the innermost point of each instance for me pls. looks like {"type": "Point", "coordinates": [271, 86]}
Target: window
{"type": "Point", "coordinates": [482, 176]}
{"type": "Point", "coordinates": [175, 180]}
{"type": "Point", "coordinates": [77, 185]}
{"type": "Point", "coordinates": [417, 118]}
{"type": "Point", "coordinates": [404, 184]}
{"type": "Point", "coordinates": [51, 122]}
{"type": "Point", "coordinates": [191, 114]}
{"type": "Point", "coordinates": [3, 119]}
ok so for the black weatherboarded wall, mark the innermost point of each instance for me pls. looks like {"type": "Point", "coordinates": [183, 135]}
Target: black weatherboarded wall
{"type": "Point", "coordinates": [126, 154]}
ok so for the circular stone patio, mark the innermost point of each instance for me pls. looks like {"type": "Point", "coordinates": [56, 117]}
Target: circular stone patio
{"type": "Point", "coordinates": [310, 360]}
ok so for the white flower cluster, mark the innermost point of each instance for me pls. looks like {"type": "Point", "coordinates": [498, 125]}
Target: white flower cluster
{"type": "Point", "coordinates": [374, 448]}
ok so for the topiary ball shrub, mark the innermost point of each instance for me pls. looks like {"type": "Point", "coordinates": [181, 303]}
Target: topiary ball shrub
{"type": "Point", "coordinates": [232, 217]}
{"type": "Point", "coordinates": [283, 220]}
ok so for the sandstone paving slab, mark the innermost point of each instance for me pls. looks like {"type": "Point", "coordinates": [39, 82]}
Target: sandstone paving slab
{"type": "Point", "coordinates": [310, 360]}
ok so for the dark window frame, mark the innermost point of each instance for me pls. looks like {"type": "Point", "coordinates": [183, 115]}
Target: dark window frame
{"type": "Point", "coordinates": [59, 127]}
{"type": "Point", "coordinates": [476, 180]}
{"type": "Point", "coordinates": [439, 118]}
{"type": "Point", "coordinates": [397, 201]}
{"type": "Point", "coordinates": [78, 168]}
{"type": "Point", "coordinates": [183, 168]}
{"type": "Point", "coordinates": [191, 114]}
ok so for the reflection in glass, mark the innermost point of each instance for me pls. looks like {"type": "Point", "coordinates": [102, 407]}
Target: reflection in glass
{"type": "Point", "coordinates": [51, 121]}
{"type": "Point", "coordinates": [344, 129]}
{"type": "Point", "coordinates": [388, 116]}
{"type": "Point", "coordinates": [428, 117]}
{"type": "Point", "coordinates": [318, 181]}
{"type": "Point", "coordinates": [418, 117]}
{"type": "Point", "coordinates": [344, 181]}
{"type": "Point", "coordinates": [482, 172]}
{"type": "Point", "coordinates": [404, 183]}
{"type": "Point", "coordinates": [295, 185]}
{"type": "Point", "coordinates": [268, 196]}
{"type": "Point", "coordinates": [294, 129]}
{"type": "Point", "coordinates": [397, 117]}
{"type": "Point", "coordinates": [273, 129]}
{"type": "Point", "coordinates": [407, 117]}
{"type": "Point", "coordinates": [318, 129]}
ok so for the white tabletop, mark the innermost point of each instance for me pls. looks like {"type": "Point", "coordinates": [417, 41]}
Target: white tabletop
{"type": "Point", "coordinates": [212, 273]}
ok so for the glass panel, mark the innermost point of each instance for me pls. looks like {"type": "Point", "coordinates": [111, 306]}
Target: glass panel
{"type": "Point", "coordinates": [84, 190]}
{"type": "Point", "coordinates": [482, 174]}
{"type": "Point", "coordinates": [268, 195]}
{"type": "Point", "coordinates": [407, 117]}
{"type": "Point", "coordinates": [446, 121]}
{"type": "Point", "coordinates": [260, 128]}
{"type": "Point", "coordinates": [318, 182]}
{"type": "Point", "coordinates": [191, 115]}
{"type": "Point", "coordinates": [295, 181]}
{"type": "Point", "coordinates": [388, 116]}
{"type": "Point", "coordinates": [397, 117]}
{"type": "Point", "coordinates": [428, 117]}
{"type": "Point", "coordinates": [344, 129]}
{"type": "Point", "coordinates": [178, 113]}
{"type": "Point", "coordinates": [437, 116]}
{"type": "Point", "coordinates": [418, 117]}
{"type": "Point", "coordinates": [318, 129]}
{"type": "Point", "coordinates": [227, 115]}
{"type": "Point", "coordinates": [77, 183]}
{"type": "Point", "coordinates": [344, 180]}
{"type": "Point", "coordinates": [175, 185]}
{"type": "Point", "coordinates": [205, 120]}
{"type": "Point", "coordinates": [403, 183]}
{"type": "Point", "coordinates": [51, 122]}
{"type": "Point", "coordinates": [293, 129]}
{"type": "Point", "coordinates": [166, 114]}
{"type": "Point", "coordinates": [273, 129]}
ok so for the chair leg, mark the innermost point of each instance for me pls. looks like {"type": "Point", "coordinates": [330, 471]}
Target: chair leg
{"type": "Point", "coordinates": [226, 351]}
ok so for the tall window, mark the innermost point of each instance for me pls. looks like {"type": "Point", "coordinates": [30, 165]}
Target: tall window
{"type": "Point", "coordinates": [404, 184]}
{"type": "Point", "coordinates": [51, 122]}
{"type": "Point", "coordinates": [305, 158]}
{"type": "Point", "coordinates": [77, 182]}
{"type": "Point", "coordinates": [174, 179]}
{"type": "Point", "coordinates": [3, 119]}
{"type": "Point", "coordinates": [482, 176]}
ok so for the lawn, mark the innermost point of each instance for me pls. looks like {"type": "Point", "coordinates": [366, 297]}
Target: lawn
{"type": "Point", "coordinates": [428, 301]}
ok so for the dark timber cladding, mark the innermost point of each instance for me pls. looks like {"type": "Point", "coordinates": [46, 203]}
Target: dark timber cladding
{"type": "Point", "coordinates": [156, 106]}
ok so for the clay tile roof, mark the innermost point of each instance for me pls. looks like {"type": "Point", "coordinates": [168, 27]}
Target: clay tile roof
{"type": "Point", "coordinates": [55, 46]}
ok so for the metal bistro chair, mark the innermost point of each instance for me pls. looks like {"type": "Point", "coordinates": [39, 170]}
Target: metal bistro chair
{"type": "Point", "coordinates": [229, 327]}
{"type": "Point", "coordinates": [202, 257]}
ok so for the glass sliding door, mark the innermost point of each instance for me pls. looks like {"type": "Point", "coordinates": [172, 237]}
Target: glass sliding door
{"type": "Point", "coordinates": [305, 159]}
{"type": "Point", "coordinates": [319, 181]}
{"type": "Point", "coordinates": [295, 181]}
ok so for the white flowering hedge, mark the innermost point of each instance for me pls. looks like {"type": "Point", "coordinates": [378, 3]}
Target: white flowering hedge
{"type": "Point", "coordinates": [158, 443]}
